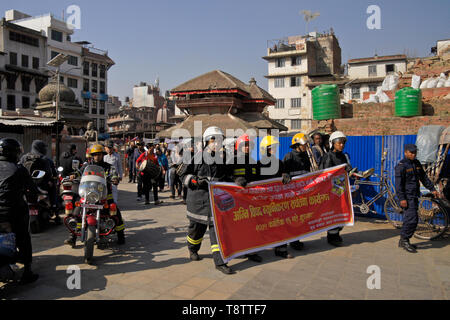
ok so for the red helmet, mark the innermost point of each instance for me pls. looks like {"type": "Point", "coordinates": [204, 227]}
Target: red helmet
{"type": "Point", "coordinates": [241, 139]}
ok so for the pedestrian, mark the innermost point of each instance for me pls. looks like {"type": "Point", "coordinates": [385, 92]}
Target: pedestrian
{"type": "Point", "coordinates": [137, 153]}
{"type": "Point", "coordinates": [196, 178]}
{"type": "Point", "coordinates": [408, 175]}
{"type": "Point", "coordinates": [149, 182]}
{"type": "Point", "coordinates": [113, 158]}
{"type": "Point", "coordinates": [335, 157]}
{"type": "Point", "coordinates": [164, 164]}
{"type": "Point", "coordinates": [175, 179]}
{"type": "Point", "coordinates": [317, 147]}
{"type": "Point", "coordinates": [131, 163]}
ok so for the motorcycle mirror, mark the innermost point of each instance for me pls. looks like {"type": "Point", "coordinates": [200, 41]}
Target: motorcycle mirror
{"type": "Point", "coordinates": [38, 174]}
{"type": "Point", "coordinates": [75, 164]}
{"type": "Point", "coordinates": [60, 169]}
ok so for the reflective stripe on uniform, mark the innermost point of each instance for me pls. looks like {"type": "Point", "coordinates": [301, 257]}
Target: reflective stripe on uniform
{"type": "Point", "coordinates": [239, 172]}
{"type": "Point", "coordinates": [109, 197]}
{"type": "Point", "coordinates": [197, 216]}
{"type": "Point", "coordinates": [215, 248]}
{"type": "Point", "coordinates": [254, 170]}
{"type": "Point", "coordinates": [192, 241]}
{"type": "Point", "coordinates": [120, 228]}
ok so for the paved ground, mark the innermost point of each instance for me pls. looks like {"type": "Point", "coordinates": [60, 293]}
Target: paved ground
{"type": "Point", "coordinates": [154, 264]}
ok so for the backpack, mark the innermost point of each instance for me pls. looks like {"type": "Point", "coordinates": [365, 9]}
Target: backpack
{"type": "Point", "coordinates": [34, 162]}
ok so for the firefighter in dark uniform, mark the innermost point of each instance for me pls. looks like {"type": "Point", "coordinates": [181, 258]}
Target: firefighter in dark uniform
{"type": "Point", "coordinates": [268, 149]}
{"type": "Point", "coordinates": [335, 157]}
{"type": "Point", "coordinates": [196, 177]}
{"type": "Point", "coordinates": [408, 175]}
{"type": "Point", "coordinates": [15, 182]}
{"type": "Point", "coordinates": [242, 170]}
{"type": "Point", "coordinates": [97, 152]}
{"type": "Point", "coordinates": [296, 163]}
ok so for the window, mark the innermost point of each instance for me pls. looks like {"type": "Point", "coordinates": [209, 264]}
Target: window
{"type": "Point", "coordinates": [35, 63]}
{"type": "Point", "coordinates": [296, 61]}
{"type": "Point", "coordinates": [279, 63]}
{"type": "Point", "coordinates": [86, 68]}
{"type": "Point", "coordinates": [355, 93]}
{"type": "Point", "coordinates": [390, 68]}
{"type": "Point", "coordinates": [102, 71]}
{"type": "Point", "coordinates": [296, 102]}
{"type": "Point", "coordinates": [296, 81]}
{"type": "Point", "coordinates": [102, 123]}
{"type": "Point", "coordinates": [18, 37]}
{"type": "Point", "coordinates": [11, 102]}
{"type": "Point", "coordinates": [102, 107]}
{"type": "Point", "coordinates": [279, 82]}
{"type": "Point", "coordinates": [280, 121]}
{"type": "Point", "coordinates": [13, 58]}
{"type": "Point", "coordinates": [53, 54]}
{"type": "Point", "coordinates": [73, 61]}
{"type": "Point", "coordinates": [94, 85]}
{"type": "Point", "coordinates": [26, 83]}
{"type": "Point", "coordinates": [11, 81]}
{"type": "Point", "coordinates": [85, 84]}
{"type": "Point", "coordinates": [102, 87]}
{"type": "Point", "coordinates": [24, 61]}
{"type": "Point", "coordinates": [279, 104]}
{"type": "Point", "coordinates": [25, 102]}
{"type": "Point", "coordinates": [57, 35]}
{"type": "Point", "coordinates": [296, 124]}
{"type": "Point", "coordinates": [94, 69]}
{"type": "Point", "coordinates": [61, 79]}
{"type": "Point", "coordinates": [372, 71]}
{"type": "Point", "coordinates": [72, 83]}
{"type": "Point", "coordinates": [86, 103]}
{"type": "Point", "coordinates": [373, 87]}
{"type": "Point", "coordinates": [94, 106]}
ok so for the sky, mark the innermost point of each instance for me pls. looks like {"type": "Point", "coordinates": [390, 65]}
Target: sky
{"type": "Point", "coordinates": [177, 40]}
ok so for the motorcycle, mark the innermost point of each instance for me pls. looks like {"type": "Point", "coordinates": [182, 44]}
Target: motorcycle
{"type": "Point", "coordinates": [68, 190]}
{"type": "Point", "coordinates": [41, 211]}
{"type": "Point", "coordinates": [98, 218]}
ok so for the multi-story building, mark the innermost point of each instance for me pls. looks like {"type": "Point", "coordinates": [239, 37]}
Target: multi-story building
{"type": "Point", "coordinates": [367, 74]}
{"type": "Point", "coordinates": [22, 56]}
{"type": "Point", "coordinates": [58, 34]}
{"type": "Point", "coordinates": [96, 64]}
{"type": "Point", "coordinates": [113, 104]}
{"type": "Point", "coordinates": [292, 63]}
{"type": "Point", "coordinates": [147, 96]}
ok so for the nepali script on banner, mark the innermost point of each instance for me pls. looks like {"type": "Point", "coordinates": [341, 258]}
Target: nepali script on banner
{"type": "Point", "coordinates": [268, 213]}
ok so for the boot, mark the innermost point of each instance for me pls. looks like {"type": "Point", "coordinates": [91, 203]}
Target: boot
{"type": "Point", "coordinates": [120, 237]}
{"type": "Point", "coordinates": [28, 276]}
{"type": "Point", "coordinates": [283, 254]}
{"type": "Point", "coordinates": [404, 243]}
{"type": "Point", "coordinates": [194, 256]}
{"type": "Point", "coordinates": [225, 269]}
{"type": "Point", "coordinates": [297, 245]}
{"type": "Point", "coordinates": [71, 241]}
{"type": "Point", "coordinates": [334, 239]}
{"type": "Point", "coordinates": [254, 257]}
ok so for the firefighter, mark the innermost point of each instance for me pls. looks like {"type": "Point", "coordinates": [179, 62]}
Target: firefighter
{"type": "Point", "coordinates": [268, 147]}
{"type": "Point", "coordinates": [196, 177]}
{"type": "Point", "coordinates": [97, 152]}
{"type": "Point", "coordinates": [243, 170]}
{"type": "Point", "coordinates": [408, 175]}
{"type": "Point", "coordinates": [335, 157]}
{"type": "Point", "coordinates": [296, 163]}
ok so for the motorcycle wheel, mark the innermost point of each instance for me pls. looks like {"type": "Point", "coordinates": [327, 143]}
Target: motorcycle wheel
{"type": "Point", "coordinates": [89, 245]}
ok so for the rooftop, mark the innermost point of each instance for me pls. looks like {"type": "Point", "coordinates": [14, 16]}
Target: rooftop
{"type": "Point", "coordinates": [378, 58]}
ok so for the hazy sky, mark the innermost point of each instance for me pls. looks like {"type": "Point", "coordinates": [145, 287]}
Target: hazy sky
{"type": "Point", "coordinates": [179, 40]}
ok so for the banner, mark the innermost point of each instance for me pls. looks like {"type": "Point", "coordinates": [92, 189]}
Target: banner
{"type": "Point", "coordinates": [268, 213]}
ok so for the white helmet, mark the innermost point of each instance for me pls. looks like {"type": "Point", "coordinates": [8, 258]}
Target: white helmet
{"type": "Point", "coordinates": [211, 132]}
{"type": "Point", "coordinates": [336, 135]}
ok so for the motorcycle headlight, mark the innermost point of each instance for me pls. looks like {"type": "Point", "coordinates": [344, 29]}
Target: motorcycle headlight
{"type": "Point", "coordinates": [92, 197]}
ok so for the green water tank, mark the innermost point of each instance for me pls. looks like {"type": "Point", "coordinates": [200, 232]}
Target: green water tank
{"type": "Point", "coordinates": [408, 102]}
{"type": "Point", "coordinates": [326, 102]}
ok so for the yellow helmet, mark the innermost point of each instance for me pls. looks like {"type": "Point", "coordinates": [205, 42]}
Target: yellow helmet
{"type": "Point", "coordinates": [96, 148]}
{"type": "Point", "coordinates": [268, 141]}
{"type": "Point", "coordinates": [299, 138]}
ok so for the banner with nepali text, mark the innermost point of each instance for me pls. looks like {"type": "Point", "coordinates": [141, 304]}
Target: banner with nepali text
{"type": "Point", "coordinates": [268, 213]}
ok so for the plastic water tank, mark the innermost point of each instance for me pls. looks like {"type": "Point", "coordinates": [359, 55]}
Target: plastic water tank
{"type": "Point", "coordinates": [326, 102]}
{"type": "Point", "coordinates": [408, 102]}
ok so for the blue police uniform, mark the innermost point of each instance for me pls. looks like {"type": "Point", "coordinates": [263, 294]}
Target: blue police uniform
{"type": "Point", "coordinates": [408, 175]}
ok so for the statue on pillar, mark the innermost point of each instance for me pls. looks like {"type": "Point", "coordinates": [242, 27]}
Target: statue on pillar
{"type": "Point", "coordinates": [91, 135]}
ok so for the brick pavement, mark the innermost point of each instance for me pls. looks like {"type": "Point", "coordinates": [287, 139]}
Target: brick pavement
{"type": "Point", "coordinates": [154, 264]}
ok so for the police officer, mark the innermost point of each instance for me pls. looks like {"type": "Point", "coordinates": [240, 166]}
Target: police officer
{"type": "Point", "coordinates": [15, 182]}
{"type": "Point", "coordinates": [408, 173]}
{"type": "Point", "coordinates": [97, 152]}
{"type": "Point", "coordinates": [296, 163]}
{"type": "Point", "coordinates": [244, 169]}
{"type": "Point", "coordinates": [268, 170]}
{"type": "Point", "coordinates": [335, 157]}
{"type": "Point", "coordinates": [195, 177]}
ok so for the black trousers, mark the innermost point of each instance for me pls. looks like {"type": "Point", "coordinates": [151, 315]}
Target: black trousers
{"type": "Point", "coordinates": [196, 231]}
{"type": "Point", "coordinates": [175, 183]}
{"type": "Point", "coordinates": [149, 184]}
{"type": "Point", "coordinates": [23, 239]}
{"type": "Point", "coordinates": [410, 219]}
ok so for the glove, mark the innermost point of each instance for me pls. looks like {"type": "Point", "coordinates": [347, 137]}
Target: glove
{"type": "Point", "coordinates": [240, 181]}
{"type": "Point", "coordinates": [194, 182]}
{"type": "Point", "coordinates": [286, 178]}
{"type": "Point", "coordinates": [203, 182]}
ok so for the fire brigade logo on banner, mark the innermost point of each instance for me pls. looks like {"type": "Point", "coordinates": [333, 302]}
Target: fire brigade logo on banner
{"type": "Point", "coordinates": [338, 185]}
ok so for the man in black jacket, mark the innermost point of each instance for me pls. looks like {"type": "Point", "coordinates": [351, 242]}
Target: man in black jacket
{"type": "Point", "coordinates": [15, 183]}
{"type": "Point", "coordinates": [66, 160]}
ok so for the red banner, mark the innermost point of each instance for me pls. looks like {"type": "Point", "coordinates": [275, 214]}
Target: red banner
{"type": "Point", "coordinates": [267, 213]}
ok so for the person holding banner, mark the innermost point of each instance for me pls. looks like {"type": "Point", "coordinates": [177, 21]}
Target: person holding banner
{"type": "Point", "coordinates": [335, 157]}
{"type": "Point", "coordinates": [296, 163]}
{"type": "Point", "coordinates": [244, 170]}
{"type": "Point", "coordinates": [196, 177]}
{"type": "Point", "coordinates": [267, 146]}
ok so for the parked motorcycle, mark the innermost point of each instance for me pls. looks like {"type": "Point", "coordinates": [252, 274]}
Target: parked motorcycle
{"type": "Point", "coordinates": [68, 190]}
{"type": "Point", "coordinates": [98, 218]}
{"type": "Point", "coordinates": [41, 211]}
